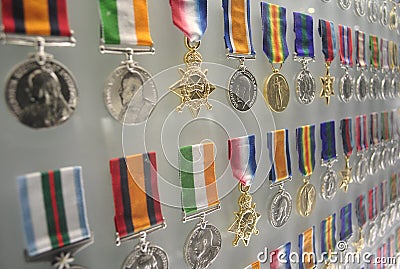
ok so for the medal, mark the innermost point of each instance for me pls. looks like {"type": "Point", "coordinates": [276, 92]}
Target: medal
{"type": "Point", "coordinates": [326, 31]}
{"type": "Point", "coordinates": [361, 167]}
{"type": "Point", "coordinates": [199, 198]}
{"type": "Point", "coordinates": [280, 257]}
{"type": "Point", "coordinates": [348, 143]}
{"type": "Point", "coordinates": [130, 93]}
{"type": "Point", "coordinates": [344, 4]}
{"type": "Point", "coordinates": [373, 10]}
{"type": "Point", "coordinates": [328, 158]}
{"type": "Point", "coordinates": [306, 194]}
{"type": "Point", "coordinates": [242, 89]}
{"type": "Point", "coordinates": [361, 214]}
{"type": "Point", "coordinates": [193, 88]}
{"type": "Point", "coordinates": [393, 62]}
{"type": "Point", "coordinates": [280, 172]}
{"type": "Point", "coordinates": [393, 200]}
{"type": "Point", "coordinates": [328, 238]}
{"type": "Point", "coordinates": [384, 13]}
{"type": "Point", "coordinates": [54, 215]}
{"type": "Point", "coordinates": [374, 156]}
{"type": "Point", "coordinates": [346, 228]}
{"type": "Point", "coordinates": [360, 7]}
{"type": "Point", "coordinates": [243, 163]}
{"type": "Point", "coordinates": [386, 137]}
{"type": "Point", "coordinates": [40, 91]}
{"type": "Point", "coordinates": [304, 53]}
{"type": "Point", "coordinates": [393, 21]}
{"type": "Point", "coordinates": [137, 208]}
{"type": "Point", "coordinates": [375, 81]}
{"type": "Point", "coordinates": [276, 87]}
{"type": "Point", "coordinates": [361, 81]}
{"type": "Point", "coordinates": [386, 87]}
{"type": "Point", "coordinates": [346, 60]}
{"type": "Point", "coordinates": [372, 230]}
{"type": "Point", "coordinates": [307, 245]}
{"type": "Point", "coordinates": [384, 218]}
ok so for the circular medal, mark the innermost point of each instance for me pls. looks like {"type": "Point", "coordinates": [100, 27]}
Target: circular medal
{"type": "Point", "coordinates": [393, 18]}
{"type": "Point", "coordinates": [361, 87]}
{"type": "Point", "coordinates": [41, 96]}
{"type": "Point", "coordinates": [394, 153]}
{"type": "Point", "coordinates": [305, 87]}
{"type": "Point", "coordinates": [153, 257]}
{"type": "Point", "coordinates": [386, 87]}
{"type": "Point", "coordinates": [306, 197]}
{"type": "Point", "coordinates": [329, 184]}
{"type": "Point", "coordinates": [276, 92]}
{"type": "Point", "coordinates": [392, 215]}
{"type": "Point", "coordinates": [372, 233]}
{"type": "Point", "coordinates": [395, 86]}
{"type": "Point", "coordinates": [202, 246]}
{"type": "Point", "coordinates": [374, 86]}
{"type": "Point", "coordinates": [344, 4]}
{"type": "Point", "coordinates": [385, 158]}
{"type": "Point", "coordinates": [130, 94]}
{"type": "Point", "coordinates": [374, 162]}
{"type": "Point", "coordinates": [373, 10]}
{"type": "Point", "coordinates": [281, 208]}
{"type": "Point", "coordinates": [242, 90]}
{"type": "Point", "coordinates": [345, 88]}
{"type": "Point", "coordinates": [360, 7]}
{"type": "Point", "coordinates": [383, 222]}
{"type": "Point", "coordinates": [384, 17]}
{"type": "Point", "coordinates": [361, 170]}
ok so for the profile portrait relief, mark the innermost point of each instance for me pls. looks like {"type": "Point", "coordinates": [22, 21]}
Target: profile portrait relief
{"type": "Point", "coordinates": [147, 262]}
{"type": "Point", "coordinates": [203, 249]}
{"type": "Point", "coordinates": [243, 90]}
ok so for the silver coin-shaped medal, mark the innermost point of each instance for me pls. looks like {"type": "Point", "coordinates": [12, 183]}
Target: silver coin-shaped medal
{"type": "Point", "coordinates": [385, 158]}
{"type": "Point", "coordinates": [374, 162]}
{"type": "Point", "coordinates": [153, 257]}
{"type": "Point", "coordinates": [305, 87]}
{"type": "Point", "coordinates": [361, 87]}
{"type": "Point", "coordinates": [329, 184]}
{"type": "Point", "coordinates": [383, 224]}
{"type": "Point", "coordinates": [41, 96]}
{"type": "Point", "coordinates": [242, 91]}
{"type": "Point", "coordinates": [345, 88]}
{"type": "Point", "coordinates": [374, 86]}
{"type": "Point", "coordinates": [360, 7]}
{"type": "Point", "coordinates": [202, 246]}
{"type": "Point", "coordinates": [392, 215]}
{"type": "Point", "coordinates": [130, 95]}
{"type": "Point", "coordinates": [371, 234]}
{"type": "Point", "coordinates": [394, 153]}
{"type": "Point", "coordinates": [344, 4]}
{"type": "Point", "coordinates": [395, 86]}
{"type": "Point", "coordinates": [384, 13]}
{"type": "Point", "coordinates": [360, 170]}
{"type": "Point", "coordinates": [373, 10]}
{"type": "Point", "coordinates": [386, 87]}
{"type": "Point", "coordinates": [280, 209]}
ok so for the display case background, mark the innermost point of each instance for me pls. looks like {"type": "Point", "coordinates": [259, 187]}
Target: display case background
{"type": "Point", "coordinates": [91, 137]}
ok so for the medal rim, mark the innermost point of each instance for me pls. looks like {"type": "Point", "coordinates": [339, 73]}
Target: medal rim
{"type": "Point", "coordinates": [137, 249]}
{"type": "Point", "coordinates": [275, 198]}
{"type": "Point", "coordinates": [300, 195]}
{"type": "Point", "coordinates": [343, 79]}
{"type": "Point", "coordinates": [252, 78]}
{"type": "Point", "coordinates": [297, 87]}
{"type": "Point", "coordinates": [385, 82]}
{"type": "Point", "coordinates": [381, 10]}
{"type": "Point", "coordinates": [372, 18]}
{"type": "Point", "coordinates": [323, 193]}
{"type": "Point", "coordinates": [362, 76]}
{"type": "Point", "coordinates": [343, 7]}
{"type": "Point", "coordinates": [357, 11]}
{"type": "Point", "coordinates": [374, 79]}
{"type": "Point", "coordinates": [363, 160]}
{"type": "Point", "coordinates": [266, 89]}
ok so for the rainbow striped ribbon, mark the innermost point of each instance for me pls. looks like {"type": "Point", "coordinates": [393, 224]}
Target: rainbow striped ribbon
{"type": "Point", "coordinates": [347, 136]}
{"type": "Point", "coordinates": [280, 257]}
{"type": "Point", "coordinates": [360, 49]}
{"type": "Point", "coordinates": [398, 240]}
{"type": "Point", "coordinates": [279, 155]}
{"type": "Point", "coordinates": [39, 17]}
{"type": "Point", "coordinates": [393, 187]}
{"type": "Point", "coordinates": [361, 133]}
{"type": "Point", "coordinates": [304, 30]}
{"type": "Point", "coordinates": [374, 128]}
{"type": "Point", "coordinates": [53, 209]}
{"type": "Point", "coordinates": [345, 45]}
{"type": "Point", "coordinates": [326, 31]}
{"type": "Point", "coordinates": [384, 54]}
{"type": "Point", "coordinates": [307, 245]}
{"type": "Point", "coordinates": [385, 127]}
{"type": "Point", "coordinates": [242, 156]}
{"type": "Point", "coordinates": [197, 176]}
{"type": "Point", "coordinates": [373, 203]}
{"type": "Point", "coordinates": [346, 228]}
{"type": "Point", "coordinates": [135, 188]}
{"type": "Point", "coordinates": [361, 212]}
{"type": "Point", "coordinates": [328, 235]}
{"type": "Point", "coordinates": [327, 132]}
{"type": "Point", "coordinates": [274, 32]}
{"type": "Point", "coordinates": [254, 265]}
{"type": "Point", "coordinates": [374, 48]}
{"type": "Point", "coordinates": [125, 22]}
{"type": "Point", "coordinates": [190, 16]}
{"type": "Point", "coordinates": [237, 27]}
{"type": "Point", "coordinates": [305, 144]}
{"type": "Point", "coordinates": [383, 195]}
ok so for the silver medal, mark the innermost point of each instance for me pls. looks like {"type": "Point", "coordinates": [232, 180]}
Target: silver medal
{"type": "Point", "coordinates": [383, 222]}
{"type": "Point", "coordinates": [361, 87]}
{"type": "Point", "coordinates": [384, 16]}
{"type": "Point", "coordinates": [392, 215]}
{"type": "Point", "coordinates": [360, 7]}
{"type": "Point", "coordinates": [202, 246]}
{"type": "Point", "coordinates": [374, 86]}
{"type": "Point", "coordinates": [242, 91]}
{"type": "Point", "coordinates": [146, 257]}
{"type": "Point", "coordinates": [344, 4]}
{"type": "Point", "coordinates": [372, 233]}
{"type": "Point", "coordinates": [385, 158]}
{"type": "Point", "coordinates": [41, 95]}
{"type": "Point", "coordinates": [130, 94]}
{"type": "Point", "coordinates": [361, 169]}
{"type": "Point", "coordinates": [395, 86]}
{"type": "Point", "coordinates": [281, 208]}
{"type": "Point", "coordinates": [305, 87]}
{"type": "Point", "coordinates": [346, 87]}
{"type": "Point", "coordinates": [374, 161]}
{"type": "Point", "coordinates": [373, 10]}
{"type": "Point", "coordinates": [329, 184]}
{"type": "Point", "coordinates": [386, 87]}
{"type": "Point", "coordinates": [394, 152]}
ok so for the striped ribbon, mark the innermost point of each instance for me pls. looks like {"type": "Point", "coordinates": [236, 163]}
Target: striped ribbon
{"type": "Point", "coordinates": [327, 132]}
{"type": "Point", "coordinates": [190, 16]}
{"type": "Point", "coordinates": [197, 176]}
{"type": "Point", "coordinates": [274, 32]}
{"type": "Point", "coordinates": [372, 203]}
{"type": "Point", "coordinates": [380, 253]}
{"type": "Point", "coordinates": [384, 54]}
{"type": "Point", "coordinates": [305, 144]}
{"type": "Point", "coordinates": [328, 232]}
{"type": "Point", "coordinates": [307, 249]}
{"type": "Point", "coordinates": [361, 212]}
{"type": "Point", "coordinates": [39, 17]}
{"type": "Point", "coordinates": [242, 156]}
{"type": "Point", "coordinates": [279, 155]}
{"type": "Point", "coordinates": [391, 246]}
{"type": "Point", "coordinates": [361, 133]}
{"type": "Point", "coordinates": [125, 22]}
{"type": "Point", "coordinates": [360, 49]}
{"type": "Point", "coordinates": [398, 185]}
{"type": "Point", "coordinates": [374, 48]}
{"type": "Point", "coordinates": [383, 197]}
{"type": "Point", "coordinates": [135, 188]}
{"type": "Point", "coordinates": [385, 127]}
{"type": "Point", "coordinates": [393, 187]}
{"type": "Point", "coordinates": [398, 240]}
{"type": "Point", "coordinates": [304, 30]}
{"type": "Point", "coordinates": [326, 31]}
{"type": "Point", "coordinates": [392, 54]}
{"type": "Point", "coordinates": [345, 45]}
{"type": "Point", "coordinates": [280, 257]}
{"type": "Point", "coordinates": [397, 121]}
{"type": "Point", "coordinates": [346, 228]}
{"type": "Point", "coordinates": [374, 128]}
{"type": "Point", "coordinates": [53, 209]}
{"type": "Point", "coordinates": [393, 124]}
{"type": "Point", "coordinates": [237, 26]}
{"type": "Point", "coordinates": [347, 136]}
{"type": "Point", "coordinates": [254, 265]}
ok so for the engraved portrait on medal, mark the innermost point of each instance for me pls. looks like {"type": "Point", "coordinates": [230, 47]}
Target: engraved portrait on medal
{"type": "Point", "coordinates": [153, 258]}
{"type": "Point", "coordinates": [281, 208]}
{"type": "Point", "coordinates": [242, 91]}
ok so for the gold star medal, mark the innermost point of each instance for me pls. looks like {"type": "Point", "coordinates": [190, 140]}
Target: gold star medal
{"type": "Point", "coordinates": [327, 84]}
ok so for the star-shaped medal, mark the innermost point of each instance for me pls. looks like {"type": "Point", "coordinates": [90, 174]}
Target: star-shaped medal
{"type": "Point", "coordinates": [327, 85]}
{"type": "Point", "coordinates": [63, 261]}
{"type": "Point", "coordinates": [346, 176]}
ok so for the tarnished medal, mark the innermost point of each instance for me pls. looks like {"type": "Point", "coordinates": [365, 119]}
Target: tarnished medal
{"type": "Point", "coordinates": [372, 228]}
{"type": "Point", "coordinates": [242, 90]}
{"type": "Point", "coordinates": [375, 81]}
{"type": "Point", "coordinates": [329, 180]}
{"type": "Point", "coordinates": [346, 62]}
{"type": "Point", "coordinates": [360, 7]}
{"type": "Point", "coordinates": [373, 10]}
{"type": "Point", "coordinates": [146, 256]}
{"type": "Point", "coordinates": [344, 4]}
{"type": "Point", "coordinates": [384, 13]}
{"type": "Point", "coordinates": [280, 209]}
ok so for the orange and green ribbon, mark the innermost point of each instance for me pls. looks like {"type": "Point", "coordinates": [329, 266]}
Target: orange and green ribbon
{"type": "Point", "coordinates": [374, 48]}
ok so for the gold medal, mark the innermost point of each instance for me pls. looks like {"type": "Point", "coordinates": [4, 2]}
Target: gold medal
{"type": "Point", "coordinates": [306, 197]}
{"type": "Point", "coordinates": [276, 91]}
{"type": "Point", "coordinates": [346, 175]}
{"type": "Point", "coordinates": [327, 84]}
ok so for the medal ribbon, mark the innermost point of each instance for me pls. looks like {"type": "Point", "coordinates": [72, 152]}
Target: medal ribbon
{"type": "Point", "coordinates": [279, 155]}
{"type": "Point", "coordinates": [345, 45]}
{"type": "Point", "coordinates": [303, 28]}
{"type": "Point", "coordinates": [197, 175]}
{"type": "Point", "coordinates": [383, 196]}
{"type": "Point", "coordinates": [305, 138]}
{"type": "Point", "coordinates": [374, 48]}
{"type": "Point", "coordinates": [398, 240]}
{"type": "Point", "coordinates": [237, 26]}
{"type": "Point", "coordinates": [374, 129]}
{"type": "Point", "coordinates": [328, 141]}
{"type": "Point", "coordinates": [393, 188]}
{"type": "Point", "coordinates": [190, 16]}
{"type": "Point", "coordinates": [307, 245]}
{"type": "Point", "coordinates": [254, 265]}
{"type": "Point", "coordinates": [391, 246]}
{"type": "Point", "coordinates": [328, 232]}
{"type": "Point", "coordinates": [398, 185]}
{"type": "Point", "coordinates": [274, 32]}
{"type": "Point", "coordinates": [393, 124]}
{"type": "Point", "coordinates": [385, 132]}
{"type": "Point", "coordinates": [125, 22]}
{"type": "Point", "coordinates": [360, 49]}
{"type": "Point", "coordinates": [361, 133]}
{"type": "Point", "coordinates": [53, 209]}
{"type": "Point", "coordinates": [384, 54]}
{"type": "Point", "coordinates": [392, 55]}
{"type": "Point", "coordinates": [397, 121]}
{"type": "Point", "coordinates": [135, 188]}
{"type": "Point", "coordinates": [361, 210]}
{"type": "Point", "coordinates": [326, 31]}
{"type": "Point", "coordinates": [346, 229]}
{"type": "Point", "coordinates": [280, 257]}
{"type": "Point", "coordinates": [242, 156]}
{"type": "Point", "coordinates": [347, 136]}
{"type": "Point", "coordinates": [40, 17]}
{"type": "Point", "coordinates": [372, 203]}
